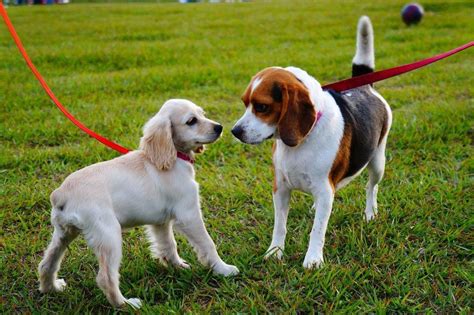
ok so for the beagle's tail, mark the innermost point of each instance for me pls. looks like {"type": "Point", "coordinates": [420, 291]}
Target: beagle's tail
{"type": "Point", "coordinates": [364, 59]}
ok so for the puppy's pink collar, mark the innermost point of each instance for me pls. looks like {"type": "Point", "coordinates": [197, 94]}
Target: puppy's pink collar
{"type": "Point", "coordinates": [185, 157]}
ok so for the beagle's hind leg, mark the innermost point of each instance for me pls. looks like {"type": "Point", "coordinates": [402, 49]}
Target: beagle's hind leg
{"type": "Point", "coordinates": [376, 168]}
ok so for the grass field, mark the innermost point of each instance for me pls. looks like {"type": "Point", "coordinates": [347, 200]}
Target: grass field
{"type": "Point", "coordinates": [113, 65]}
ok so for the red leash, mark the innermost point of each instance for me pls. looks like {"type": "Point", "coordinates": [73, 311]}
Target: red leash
{"type": "Point", "coordinates": [45, 86]}
{"type": "Point", "coordinates": [337, 86]}
{"type": "Point", "coordinates": [373, 77]}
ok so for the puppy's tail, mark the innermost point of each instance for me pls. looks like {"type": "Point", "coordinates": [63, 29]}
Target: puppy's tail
{"type": "Point", "coordinates": [364, 59]}
{"type": "Point", "coordinates": [58, 200]}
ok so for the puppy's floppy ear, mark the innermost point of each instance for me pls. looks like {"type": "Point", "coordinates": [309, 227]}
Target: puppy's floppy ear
{"type": "Point", "coordinates": [297, 116]}
{"type": "Point", "coordinates": [157, 143]}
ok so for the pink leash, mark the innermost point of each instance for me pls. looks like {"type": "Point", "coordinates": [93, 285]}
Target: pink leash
{"type": "Point", "coordinates": [337, 86]}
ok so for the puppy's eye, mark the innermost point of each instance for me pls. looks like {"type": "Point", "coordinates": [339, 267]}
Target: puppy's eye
{"type": "Point", "coordinates": [191, 121]}
{"type": "Point", "coordinates": [260, 108]}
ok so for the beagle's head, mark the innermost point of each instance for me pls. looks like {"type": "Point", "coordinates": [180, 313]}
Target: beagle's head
{"type": "Point", "coordinates": [277, 104]}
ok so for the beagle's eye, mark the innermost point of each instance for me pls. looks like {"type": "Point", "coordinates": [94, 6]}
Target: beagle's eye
{"type": "Point", "coordinates": [191, 121]}
{"type": "Point", "coordinates": [260, 108]}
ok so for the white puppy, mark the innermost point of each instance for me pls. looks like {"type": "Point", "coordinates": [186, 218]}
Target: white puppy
{"type": "Point", "coordinates": [153, 185]}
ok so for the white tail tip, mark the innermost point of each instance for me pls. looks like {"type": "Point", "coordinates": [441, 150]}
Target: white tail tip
{"type": "Point", "coordinates": [365, 43]}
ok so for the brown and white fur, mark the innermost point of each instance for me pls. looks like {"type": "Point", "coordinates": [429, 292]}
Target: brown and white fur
{"type": "Point", "coordinates": [317, 156]}
{"type": "Point", "coordinates": [149, 186]}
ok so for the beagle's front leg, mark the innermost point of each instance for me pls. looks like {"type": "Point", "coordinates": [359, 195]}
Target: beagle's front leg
{"type": "Point", "coordinates": [281, 201]}
{"type": "Point", "coordinates": [324, 197]}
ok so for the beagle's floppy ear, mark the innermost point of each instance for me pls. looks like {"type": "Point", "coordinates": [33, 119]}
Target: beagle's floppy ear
{"type": "Point", "coordinates": [297, 116]}
{"type": "Point", "coordinates": [157, 143]}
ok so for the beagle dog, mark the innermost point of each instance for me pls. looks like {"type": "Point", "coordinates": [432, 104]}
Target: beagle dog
{"type": "Point", "coordinates": [323, 139]}
{"type": "Point", "coordinates": [151, 186]}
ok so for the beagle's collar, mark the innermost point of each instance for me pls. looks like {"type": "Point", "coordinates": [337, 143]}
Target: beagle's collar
{"type": "Point", "coordinates": [318, 116]}
{"type": "Point", "coordinates": [185, 157]}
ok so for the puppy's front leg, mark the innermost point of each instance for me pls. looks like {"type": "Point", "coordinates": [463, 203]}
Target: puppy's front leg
{"type": "Point", "coordinates": [163, 245]}
{"type": "Point", "coordinates": [281, 201]}
{"type": "Point", "coordinates": [191, 224]}
{"type": "Point", "coordinates": [324, 197]}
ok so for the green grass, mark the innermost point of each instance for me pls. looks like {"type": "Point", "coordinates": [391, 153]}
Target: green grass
{"type": "Point", "coordinates": [113, 65]}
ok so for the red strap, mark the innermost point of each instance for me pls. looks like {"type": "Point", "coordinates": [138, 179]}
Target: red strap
{"type": "Point", "coordinates": [337, 86]}
{"type": "Point", "coordinates": [45, 86]}
{"type": "Point", "coordinates": [388, 73]}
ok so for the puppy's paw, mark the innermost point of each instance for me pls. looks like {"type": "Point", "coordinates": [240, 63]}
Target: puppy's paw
{"type": "Point", "coordinates": [176, 262]}
{"type": "Point", "coordinates": [182, 264]}
{"type": "Point", "coordinates": [59, 285]}
{"type": "Point", "coordinates": [311, 262]}
{"type": "Point", "coordinates": [134, 302]}
{"type": "Point", "coordinates": [226, 270]}
{"type": "Point", "coordinates": [172, 259]}
{"type": "Point", "coordinates": [274, 252]}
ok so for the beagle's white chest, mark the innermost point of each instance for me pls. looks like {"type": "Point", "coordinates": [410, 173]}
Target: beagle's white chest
{"type": "Point", "coordinates": [307, 166]}
{"type": "Point", "coordinates": [293, 169]}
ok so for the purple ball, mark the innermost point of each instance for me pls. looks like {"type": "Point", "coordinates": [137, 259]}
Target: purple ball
{"type": "Point", "coordinates": [412, 13]}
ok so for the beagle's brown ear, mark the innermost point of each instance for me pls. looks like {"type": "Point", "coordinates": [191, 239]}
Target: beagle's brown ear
{"type": "Point", "coordinates": [157, 143]}
{"type": "Point", "coordinates": [297, 116]}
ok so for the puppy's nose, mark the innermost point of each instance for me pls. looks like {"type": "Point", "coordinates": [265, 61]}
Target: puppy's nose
{"type": "Point", "coordinates": [237, 131]}
{"type": "Point", "coordinates": [218, 129]}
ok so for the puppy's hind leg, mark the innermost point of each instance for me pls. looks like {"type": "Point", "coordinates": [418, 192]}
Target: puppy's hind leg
{"type": "Point", "coordinates": [376, 169]}
{"type": "Point", "coordinates": [163, 245]}
{"type": "Point", "coordinates": [49, 266]}
{"type": "Point", "coordinates": [106, 241]}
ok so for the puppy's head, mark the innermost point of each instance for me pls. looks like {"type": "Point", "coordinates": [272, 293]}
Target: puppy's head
{"type": "Point", "coordinates": [277, 104]}
{"type": "Point", "coordinates": [180, 125]}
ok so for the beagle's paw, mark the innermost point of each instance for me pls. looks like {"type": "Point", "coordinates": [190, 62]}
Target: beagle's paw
{"type": "Point", "coordinates": [274, 252]}
{"type": "Point", "coordinates": [313, 262]}
{"type": "Point", "coordinates": [226, 270]}
{"type": "Point", "coordinates": [369, 217]}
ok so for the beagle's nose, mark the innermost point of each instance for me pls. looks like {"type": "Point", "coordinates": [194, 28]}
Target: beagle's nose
{"type": "Point", "coordinates": [218, 129]}
{"type": "Point", "coordinates": [237, 131]}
